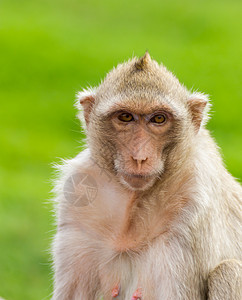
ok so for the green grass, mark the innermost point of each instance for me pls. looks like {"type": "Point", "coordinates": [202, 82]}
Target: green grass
{"type": "Point", "coordinates": [48, 51]}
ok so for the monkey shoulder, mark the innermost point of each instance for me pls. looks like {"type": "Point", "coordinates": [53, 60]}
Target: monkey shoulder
{"type": "Point", "coordinates": [74, 175]}
{"type": "Point", "coordinates": [84, 188]}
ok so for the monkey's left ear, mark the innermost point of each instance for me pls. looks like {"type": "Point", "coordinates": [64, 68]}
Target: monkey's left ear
{"type": "Point", "coordinates": [85, 102]}
{"type": "Point", "coordinates": [198, 105]}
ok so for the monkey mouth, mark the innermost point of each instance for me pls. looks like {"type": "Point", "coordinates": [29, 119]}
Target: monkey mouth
{"type": "Point", "coordinates": [137, 175]}
{"type": "Point", "coordinates": [136, 181]}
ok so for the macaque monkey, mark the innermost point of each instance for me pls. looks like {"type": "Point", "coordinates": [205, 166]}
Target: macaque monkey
{"type": "Point", "coordinates": [147, 211]}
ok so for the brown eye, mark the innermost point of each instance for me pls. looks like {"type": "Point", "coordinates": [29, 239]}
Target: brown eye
{"type": "Point", "coordinates": [125, 117]}
{"type": "Point", "coordinates": [158, 119]}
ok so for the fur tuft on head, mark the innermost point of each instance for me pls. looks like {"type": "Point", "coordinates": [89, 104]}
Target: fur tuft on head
{"type": "Point", "coordinates": [142, 63]}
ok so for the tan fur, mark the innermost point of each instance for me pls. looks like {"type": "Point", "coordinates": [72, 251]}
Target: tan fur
{"type": "Point", "coordinates": [225, 281]}
{"type": "Point", "coordinates": [164, 214]}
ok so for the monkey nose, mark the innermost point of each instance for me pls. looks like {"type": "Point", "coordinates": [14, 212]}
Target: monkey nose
{"type": "Point", "coordinates": [139, 161]}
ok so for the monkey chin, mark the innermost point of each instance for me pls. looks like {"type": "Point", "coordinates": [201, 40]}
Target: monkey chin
{"type": "Point", "coordinates": [137, 182]}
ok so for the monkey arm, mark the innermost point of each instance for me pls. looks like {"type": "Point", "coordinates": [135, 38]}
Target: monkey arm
{"type": "Point", "coordinates": [225, 281]}
{"type": "Point", "coordinates": [75, 273]}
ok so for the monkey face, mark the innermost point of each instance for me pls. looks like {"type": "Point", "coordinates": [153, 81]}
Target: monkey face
{"type": "Point", "coordinates": [135, 139]}
{"type": "Point", "coordinates": [139, 138]}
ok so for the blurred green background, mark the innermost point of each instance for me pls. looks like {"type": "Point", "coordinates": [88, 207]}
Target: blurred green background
{"type": "Point", "coordinates": [48, 51]}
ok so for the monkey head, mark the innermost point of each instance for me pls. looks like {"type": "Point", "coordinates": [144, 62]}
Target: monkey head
{"type": "Point", "coordinates": [141, 122]}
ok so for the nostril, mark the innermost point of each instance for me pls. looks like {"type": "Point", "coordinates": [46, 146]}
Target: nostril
{"type": "Point", "coordinates": [139, 158]}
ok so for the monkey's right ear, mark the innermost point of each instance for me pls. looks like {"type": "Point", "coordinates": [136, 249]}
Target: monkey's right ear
{"type": "Point", "coordinates": [85, 102]}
